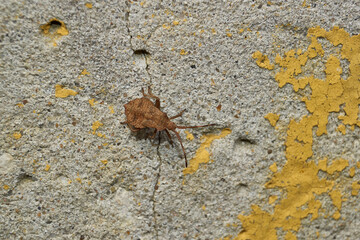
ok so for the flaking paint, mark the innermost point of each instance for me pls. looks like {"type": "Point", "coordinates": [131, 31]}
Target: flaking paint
{"type": "Point", "coordinates": [298, 178]}
{"type": "Point", "coordinates": [202, 155]}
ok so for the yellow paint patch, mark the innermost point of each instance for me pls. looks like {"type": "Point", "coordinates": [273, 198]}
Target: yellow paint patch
{"type": "Point", "coordinates": [111, 108]}
{"type": "Point", "coordinates": [341, 128]}
{"type": "Point", "coordinates": [84, 72]}
{"type": "Point", "coordinates": [273, 167]}
{"type": "Point", "coordinates": [262, 60]}
{"type": "Point", "coordinates": [47, 167]}
{"type": "Point", "coordinates": [355, 188]}
{"type": "Point", "coordinates": [202, 155]}
{"type": "Point", "coordinates": [88, 5]}
{"type": "Point", "coordinates": [299, 176]}
{"type": "Point", "coordinates": [336, 198]}
{"type": "Point", "coordinates": [183, 52]}
{"type": "Point", "coordinates": [92, 102]}
{"type": "Point", "coordinates": [61, 92]}
{"type": "Point", "coordinates": [272, 118]}
{"type": "Point", "coordinates": [272, 199]}
{"type": "Point", "coordinates": [96, 125]}
{"type": "Point", "coordinates": [17, 135]}
{"type": "Point", "coordinates": [352, 172]}
{"type": "Point", "coordinates": [54, 29]}
{"type": "Point", "coordinates": [189, 136]}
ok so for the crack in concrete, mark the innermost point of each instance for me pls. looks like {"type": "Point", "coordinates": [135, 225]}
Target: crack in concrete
{"type": "Point", "coordinates": [155, 188]}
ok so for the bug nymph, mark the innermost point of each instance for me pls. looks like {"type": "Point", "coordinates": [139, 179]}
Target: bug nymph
{"type": "Point", "coordinates": [143, 113]}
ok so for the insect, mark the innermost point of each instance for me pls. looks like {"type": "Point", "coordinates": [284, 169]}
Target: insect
{"type": "Point", "coordinates": [143, 113]}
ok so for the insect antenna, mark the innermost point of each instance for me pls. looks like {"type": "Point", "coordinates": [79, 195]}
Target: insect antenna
{"type": "Point", "coordinates": [179, 138]}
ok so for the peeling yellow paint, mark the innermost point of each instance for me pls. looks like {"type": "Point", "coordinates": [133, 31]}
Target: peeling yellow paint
{"type": "Point", "coordinates": [336, 198]}
{"type": "Point", "coordinates": [273, 167]}
{"type": "Point", "coordinates": [352, 172]}
{"type": "Point", "coordinates": [202, 155]}
{"type": "Point", "coordinates": [47, 167]}
{"type": "Point", "coordinates": [84, 72]}
{"type": "Point", "coordinates": [92, 102]}
{"type": "Point", "coordinates": [183, 52]}
{"type": "Point", "coordinates": [54, 29]}
{"type": "Point", "coordinates": [272, 199]}
{"type": "Point", "coordinates": [111, 108]}
{"type": "Point", "coordinates": [17, 135]}
{"type": "Point", "coordinates": [262, 60]}
{"type": "Point", "coordinates": [272, 118]}
{"type": "Point", "coordinates": [355, 188]}
{"type": "Point", "coordinates": [299, 176]}
{"type": "Point", "coordinates": [341, 128]}
{"type": "Point", "coordinates": [88, 5]}
{"type": "Point", "coordinates": [61, 92]}
{"type": "Point", "coordinates": [95, 126]}
{"type": "Point", "coordinates": [189, 136]}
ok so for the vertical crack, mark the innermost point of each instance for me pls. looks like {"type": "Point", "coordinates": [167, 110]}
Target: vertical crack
{"type": "Point", "coordinates": [155, 188]}
{"type": "Point", "coordinates": [127, 14]}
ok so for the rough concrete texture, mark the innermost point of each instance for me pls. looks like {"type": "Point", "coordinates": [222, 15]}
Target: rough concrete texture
{"type": "Point", "coordinates": [282, 162]}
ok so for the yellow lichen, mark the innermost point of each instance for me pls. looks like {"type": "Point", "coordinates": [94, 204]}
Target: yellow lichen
{"type": "Point", "coordinates": [88, 5]}
{"type": "Point", "coordinates": [6, 187]}
{"type": "Point", "coordinates": [299, 178]}
{"type": "Point", "coordinates": [202, 155]}
{"type": "Point", "coordinates": [104, 162]}
{"type": "Point", "coordinates": [61, 92]}
{"type": "Point", "coordinates": [272, 118]}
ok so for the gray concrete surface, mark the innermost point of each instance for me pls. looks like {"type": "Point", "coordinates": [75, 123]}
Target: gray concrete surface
{"type": "Point", "coordinates": [55, 182]}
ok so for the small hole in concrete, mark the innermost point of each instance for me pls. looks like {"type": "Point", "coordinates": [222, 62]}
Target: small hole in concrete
{"type": "Point", "coordinates": [141, 52]}
{"type": "Point", "coordinates": [54, 26]}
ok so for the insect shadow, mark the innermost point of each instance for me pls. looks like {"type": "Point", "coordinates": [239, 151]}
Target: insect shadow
{"type": "Point", "coordinates": [143, 114]}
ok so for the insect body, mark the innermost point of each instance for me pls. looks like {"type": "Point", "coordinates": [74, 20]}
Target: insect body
{"type": "Point", "coordinates": [143, 113]}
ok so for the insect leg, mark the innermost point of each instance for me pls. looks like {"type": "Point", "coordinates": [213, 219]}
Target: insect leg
{"type": "Point", "coordinates": [169, 136]}
{"type": "Point", "coordinates": [178, 136]}
{"type": "Point", "coordinates": [178, 115]}
{"type": "Point", "coordinates": [153, 135]}
{"type": "Point", "coordinates": [151, 95]}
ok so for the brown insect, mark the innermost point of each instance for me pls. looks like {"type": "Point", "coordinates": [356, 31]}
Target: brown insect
{"type": "Point", "coordinates": [143, 113]}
